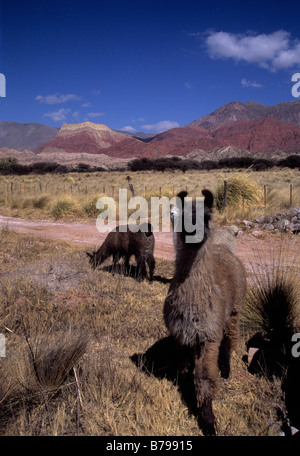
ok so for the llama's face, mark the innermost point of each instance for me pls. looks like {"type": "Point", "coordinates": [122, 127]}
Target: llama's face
{"type": "Point", "coordinates": [175, 213]}
{"type": "Point", "coordinates": [190, 220]}
{"type": "Point", "coordinates": [92, 259]}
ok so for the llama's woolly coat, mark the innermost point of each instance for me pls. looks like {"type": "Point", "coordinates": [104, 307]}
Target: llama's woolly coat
{"type": "Point", "coordinates": [212, 290]}
{"type": "Point", "coordinates": [202, 307]}
{"type": "Point", "coordinates": [123, 243]}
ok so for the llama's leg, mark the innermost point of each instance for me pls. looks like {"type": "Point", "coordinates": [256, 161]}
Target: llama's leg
{"type": "Point", "coordinates": [151, 265]}
{"type": "Point", "coordinates": [229, 343]}
{"type": "Point", "coordinates": [116, 258]}
{"type": "Point", "coordinates": [185, 376]}
{"type": "Point", "coordinates": [141, 268]}
{"type": "Point", "coordinates": [126, 263]}
{"type": "Point", "coordinates": [185, 361]}
{"type": "Point", "coordinates": [205, 380]}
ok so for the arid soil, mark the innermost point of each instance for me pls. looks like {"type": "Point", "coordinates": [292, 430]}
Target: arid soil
{"type": "Point", "coordinates": [249, 247]}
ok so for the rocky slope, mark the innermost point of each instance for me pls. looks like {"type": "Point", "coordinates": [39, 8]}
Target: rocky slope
{"type": "Point", "coordinates": [266, 135]}
{"type": "Point", "coordinates": [288, 112]}
{"type": "Point", "coordinates": [248, 128]}
{"type": "Point", "coordinates": [84, 137]}
{"type": "Point", "coordinates": [25, 136]}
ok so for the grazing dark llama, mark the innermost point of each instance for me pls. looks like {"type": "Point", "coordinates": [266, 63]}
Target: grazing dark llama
{"type": "Point", "coordinates": [124, 244]}
{"type": "Point", "coordinates": [202, 308]}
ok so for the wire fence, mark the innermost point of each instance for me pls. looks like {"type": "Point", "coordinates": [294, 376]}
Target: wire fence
{"type": "Point", "coordinates": [54, 189]}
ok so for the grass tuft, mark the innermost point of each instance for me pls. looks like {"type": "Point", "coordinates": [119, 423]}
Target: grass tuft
{"type": "Point", "coordinates": [65, 206]}
{"type": "Point", "coordinates": [272, 304]}
{"type": "Point", "coordinates": [240, 190]}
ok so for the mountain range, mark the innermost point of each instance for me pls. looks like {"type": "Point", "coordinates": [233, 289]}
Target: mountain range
{"type": "Point", "coordinates": [250, 128]}
{"type": "Point", "coordinates": [25, 136]}
{"type": "Point", "coordinates": [288, 112]}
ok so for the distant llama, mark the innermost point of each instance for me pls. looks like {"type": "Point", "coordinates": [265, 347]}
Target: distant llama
{"type": "Point", "coordinates": [202, 308]}
{"type": "Point", "coordinates": [124, 244]}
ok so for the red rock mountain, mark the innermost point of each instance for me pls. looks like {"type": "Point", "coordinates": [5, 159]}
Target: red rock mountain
{"type": "Point", "coordinates": [96, 139]}
{"type": "Point", "coordinates": [264, 136]}
{"type": "Point", "coordinates": [83, 137]}
{"type": "Point", "coordinates": [287, 112]}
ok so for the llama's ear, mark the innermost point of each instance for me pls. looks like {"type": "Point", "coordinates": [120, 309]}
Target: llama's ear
{"type": "Point", "coordinates": [181, 196]}
{"type": "Point", "coordinates": [89, 255]}
{"type": "Point", "coordinates": [208, 198]}
{"type": "Point", "coordinates": [149, 230]}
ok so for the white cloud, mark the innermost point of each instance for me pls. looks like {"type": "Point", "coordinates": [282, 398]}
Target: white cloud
{"type": "Point", "coordinates": [288, 58]}
{"type": "Point", "coordinates": [57, 98]}
{"type": "Point", "coordinates": [129, 129]}
{"type": "Point", "coordinates": [86, 105]}
{"type": "Point", "coordinates": [246, 83]}
{"type": "Point", "coordinates": [91, 115]}
{"type": "Point", "coordinates": [58, 116]}
{"type": "Point", "coordinates": [159, 127]}
{"type": "Point", "coordinates": [75, 114]}
{"type": "Point", "coordinates": [273, 51]}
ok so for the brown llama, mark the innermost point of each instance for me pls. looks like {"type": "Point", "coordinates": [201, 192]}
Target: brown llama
{"type": "Point", "coordinates": [202, 308]}
{"type": "Point", "coordinates": [124, 244]}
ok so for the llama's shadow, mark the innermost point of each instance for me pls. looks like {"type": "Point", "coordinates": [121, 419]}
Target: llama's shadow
{"type": "Point", "coordinates": [161, 360]}
{"type": "Point", "coordinates": [131, 271]}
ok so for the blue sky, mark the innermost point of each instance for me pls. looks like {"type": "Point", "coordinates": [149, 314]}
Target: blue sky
{"type": "Point", "coordinates": [143, 65]}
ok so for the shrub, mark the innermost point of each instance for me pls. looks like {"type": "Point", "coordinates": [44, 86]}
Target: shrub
{"type": "Point", "coordinates": [292, 161]}
{"type": "Point", "coordinates": [237, 187]}
{"type": "Point", "coordinates": [41, 202]}
{"type": "Point", "coordinates": [89, 206]}
{"type": "Point", "coordinates": [65, 206]}
{"type": "Point", "coordinates": [272, 304]}
{"type": "Point", "coordinates": [69, 179]}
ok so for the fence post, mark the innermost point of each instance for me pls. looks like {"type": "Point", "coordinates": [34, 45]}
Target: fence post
{"type": "Point", "coordinates": [131, 189]}
{"type": "Point", "coordinates": [225, 196]}
{"type": "Point", "coordinates": [243, 196]}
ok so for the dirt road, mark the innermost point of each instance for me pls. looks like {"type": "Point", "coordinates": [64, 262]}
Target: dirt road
{"type": "Point", "coordinates": [247, 245]}
{"type": "Point", "coordinates": [81, 232]}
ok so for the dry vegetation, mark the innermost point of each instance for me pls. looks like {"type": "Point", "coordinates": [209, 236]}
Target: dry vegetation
{"type": "Point", "coordinates": [74, 195]}
{"type": "Point", "coordinates": [70, 334]}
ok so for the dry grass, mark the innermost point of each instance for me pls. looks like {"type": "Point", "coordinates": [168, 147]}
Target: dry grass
{"type": "Point", "coordinates": [68, 367]}
{"type": "Point", "coordinates": [272, 304]}
{"type": "Point", "coordinates": [74, 195]}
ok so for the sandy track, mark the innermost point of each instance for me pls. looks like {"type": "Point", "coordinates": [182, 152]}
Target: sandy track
{"type": "Point", "coordinates": [81, 232]}
{"type": "Point", "coordinates": [247, 245]}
